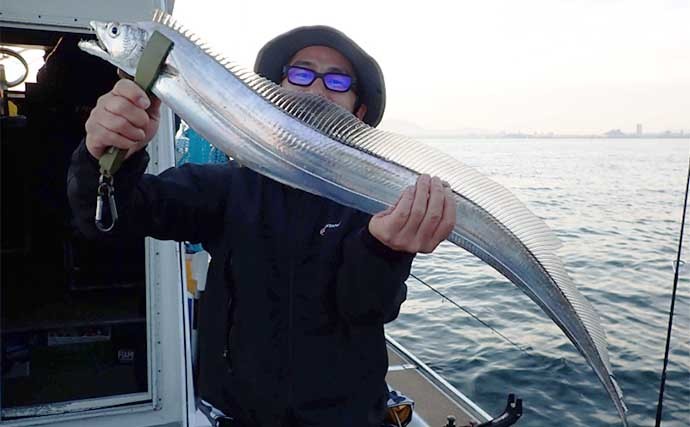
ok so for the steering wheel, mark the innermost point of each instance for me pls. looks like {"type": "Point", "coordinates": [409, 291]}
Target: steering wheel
{"type": "Point", "coordinates": [9, 52]}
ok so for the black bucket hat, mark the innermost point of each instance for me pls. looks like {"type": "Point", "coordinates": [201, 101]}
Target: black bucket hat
{"type": "Point", "coordinates": [371, 87]}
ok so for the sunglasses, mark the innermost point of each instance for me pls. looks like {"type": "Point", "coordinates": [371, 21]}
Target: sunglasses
{"type": "Point", "coordinates": [300, 76]}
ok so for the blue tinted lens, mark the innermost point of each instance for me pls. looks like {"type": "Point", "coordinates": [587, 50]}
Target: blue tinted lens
{"type": "Point", "coordinates": [300, 76]}
{"type": "Point", "coordinates": [337, 82]}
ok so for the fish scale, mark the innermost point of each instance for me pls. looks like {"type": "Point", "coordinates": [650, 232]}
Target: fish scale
{"type": "Point", "coordinates": [307, 142]}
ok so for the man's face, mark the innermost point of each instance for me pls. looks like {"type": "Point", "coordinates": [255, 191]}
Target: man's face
{"type": "Point", "coordinates": [324, 59]}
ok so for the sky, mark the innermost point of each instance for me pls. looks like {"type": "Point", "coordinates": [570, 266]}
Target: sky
{"type": "Point", "coordinates": [568, 67]}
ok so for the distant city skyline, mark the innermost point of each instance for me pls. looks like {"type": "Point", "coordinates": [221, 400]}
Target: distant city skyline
{"type": "Point", "coordinates": [559, 66]}
{"type": "Point", "coordinates": [636, 130]}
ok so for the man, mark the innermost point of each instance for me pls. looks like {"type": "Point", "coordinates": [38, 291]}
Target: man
{"type": "Point", "coordinates": [311, 282]}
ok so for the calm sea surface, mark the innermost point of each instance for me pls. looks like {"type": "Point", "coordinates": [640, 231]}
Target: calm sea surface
{"type": "Point", "coordinates": [617, 206]}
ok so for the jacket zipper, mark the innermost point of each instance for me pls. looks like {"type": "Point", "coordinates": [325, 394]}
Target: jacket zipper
{"type": "Point", "coordinates": [291, 357]}
{"type": "Point", "coordinates": [227, 278]}
{"type": "Point", "coordinates": [294, 220]}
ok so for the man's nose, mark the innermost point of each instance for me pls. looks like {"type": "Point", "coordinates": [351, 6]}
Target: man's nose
{"type": "Point", "coordinates": [318, 88]}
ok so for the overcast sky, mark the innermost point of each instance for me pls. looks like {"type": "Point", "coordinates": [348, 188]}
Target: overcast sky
{"type": "Point", "coordinates": [578, 66]}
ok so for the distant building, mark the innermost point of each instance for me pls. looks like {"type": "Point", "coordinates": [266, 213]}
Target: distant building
{"type": "Point", "coordinates": [615, 133]}
{"type": "Point", "coordinates": [639, 129]}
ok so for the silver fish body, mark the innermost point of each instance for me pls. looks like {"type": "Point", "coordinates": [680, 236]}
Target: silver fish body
{"type": "Point", "coordinates": [309, 143]}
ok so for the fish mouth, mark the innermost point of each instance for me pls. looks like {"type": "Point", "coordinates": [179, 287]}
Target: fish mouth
{"type": "Point", "coordinates": [95, 47]}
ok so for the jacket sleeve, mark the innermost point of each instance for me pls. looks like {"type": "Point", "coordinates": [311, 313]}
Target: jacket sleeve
{"type": "Point", "coordinates": [184, 204]}
{"type": "Point", "coordinates": [371, 280]}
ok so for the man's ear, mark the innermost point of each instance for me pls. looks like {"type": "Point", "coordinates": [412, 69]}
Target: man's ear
{"type": "Point", "coordinates": [361, 111]}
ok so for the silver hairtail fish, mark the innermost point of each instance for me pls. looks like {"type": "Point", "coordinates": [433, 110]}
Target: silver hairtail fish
{"type": "Point", "coordinates": [309, 143]}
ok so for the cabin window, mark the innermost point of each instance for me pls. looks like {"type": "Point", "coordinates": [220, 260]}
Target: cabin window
{"type": "Point", "coordinates": [73, 320]}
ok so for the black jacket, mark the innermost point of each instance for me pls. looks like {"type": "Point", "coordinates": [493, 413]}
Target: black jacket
{"type": "Point", "coordinates": [305, 287]}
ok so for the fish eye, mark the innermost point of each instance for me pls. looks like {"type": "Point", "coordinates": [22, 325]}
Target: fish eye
{"type": "Point", "coordinates": [114, 30]}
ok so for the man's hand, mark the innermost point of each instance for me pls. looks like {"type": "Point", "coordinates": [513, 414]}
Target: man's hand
{"type": "Point", "coordinates": [423, 217]}
{"type": "Point", "coordinates": [124, 118]}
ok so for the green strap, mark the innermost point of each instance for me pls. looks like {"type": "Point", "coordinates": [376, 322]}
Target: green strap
{"type": "Point", "coordinates": [152, 59]}
{"type": "Point", "coordinates": [150, 64]}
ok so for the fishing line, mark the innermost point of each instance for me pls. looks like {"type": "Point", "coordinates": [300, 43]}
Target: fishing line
{"type": "Point", "coordinates": [468, 312]}
{"type": "Point", "coordinates": [673, 303]}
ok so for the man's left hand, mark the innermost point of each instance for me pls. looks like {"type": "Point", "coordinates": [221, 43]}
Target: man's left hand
{"type": "Point", "coordinates": [422, 218]}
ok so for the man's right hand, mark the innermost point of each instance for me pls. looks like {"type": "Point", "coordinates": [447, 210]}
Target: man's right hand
{"type": "Point", "coordinates": [124, 118]}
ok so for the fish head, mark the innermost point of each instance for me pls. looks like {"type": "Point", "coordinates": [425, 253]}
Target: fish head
{"type": "Point", "coordinates": [121, 44]}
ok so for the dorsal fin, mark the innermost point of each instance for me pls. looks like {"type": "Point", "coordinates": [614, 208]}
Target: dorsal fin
{"type": "Point", "coordinates": [342, 126]}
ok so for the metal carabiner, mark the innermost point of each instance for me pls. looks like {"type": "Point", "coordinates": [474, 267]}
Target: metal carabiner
{"type": "Point", "coordinates": [105, 190]}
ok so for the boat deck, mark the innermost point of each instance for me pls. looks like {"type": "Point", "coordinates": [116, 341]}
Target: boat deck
{"type": "Point", "coordinates": [434, 398]}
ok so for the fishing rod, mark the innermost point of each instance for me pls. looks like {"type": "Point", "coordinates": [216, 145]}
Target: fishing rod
{"type": "Point", "coordinates": [468, 312]}
{"type": "Point", "coordinates": [673, 303]}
